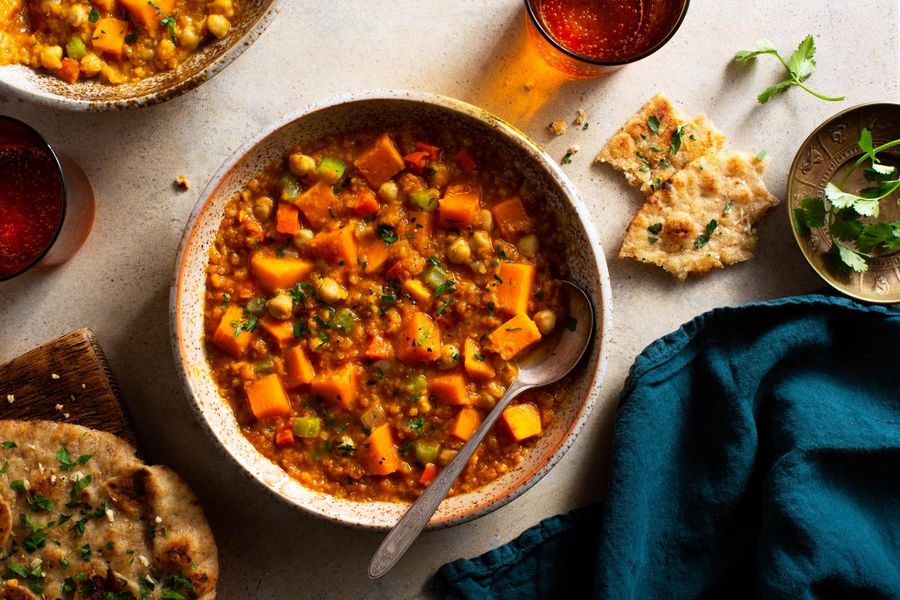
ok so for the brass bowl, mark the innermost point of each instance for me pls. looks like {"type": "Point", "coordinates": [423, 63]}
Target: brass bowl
{"type": "Point", "coordinates": [826, 155]}
{"type": "Point", "coordinates": [91, 95]}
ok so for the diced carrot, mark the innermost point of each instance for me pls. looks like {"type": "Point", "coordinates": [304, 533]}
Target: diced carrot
{"type": "Point", "coordinates": [366, 203]}
{"type": "Point", "coordinates": [459, 205]}
{"type": "Point", "coordinates": [514, 336]}
{"type": "Point", "coordinates": [511, 217]}
{"type": "Point", "coordinates": [267, 397]}
{"type": "Point", "coordinates": [465, 423]}
{"type": "Point", "coordinates": [109, 36]}
{"type": "Point", "coordinates": [336, 245]}
{"type": "Point", "coordinates": [522, 421]}
{"type": "Point", "coordinates": [434, 153]}
{"type": "Point", "coordinates": [380, 161]}
{"type": "Point", "coordinates": [337, 387]}
{"type": "Point", "coordinates": [378, 348]}
{"type": "Point", "coordinates": [420, 340]}
{"type": "Point", "coordinates": [7, 9]}
{"type": "Point", "coordinates": [287, 219]}
{"type": "Point", "coordinates": [284, 437]}
{"type": "Point", "coordinates": [417, 161]}
{"type": "Point", "coordinates": [224, 336]}
{"type": "Point", "coordinates": [148, 16]}
{"type": "Point", "coordinates": [317, 204]}
{"type": "Point", "coordinates": [513, 289]}
{"type": "Point", "coordinates": [465, 160]}
{"type": "Point", "coordinates": [298, 370]}
{"type": "Point", "coordinates": [278, 273]}
{"type": "Point", "coordinates": [428, 474]}
{"type": "Point", "coordinates": [380, 456]}
{"type": "Point", "coordinates": [251, 227]}
{"type": "Point", "coordinates": [449, 389]}
{"type": "Point", "coordinates": [421, 223]}
{"type": "Point", "coordinates": [69, 71]}
{"type": "Point", "coordinates": [476, 364]}
{"type": "Point", "coordinates": [372, 254]}
{"type": "Point", "coordinates": [281, 332]}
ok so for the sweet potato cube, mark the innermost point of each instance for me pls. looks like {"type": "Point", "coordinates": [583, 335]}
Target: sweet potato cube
{"type": "Point", "coordinates": [511, 217]}
{"type": "Point", "coordinates": [378, 348]}
{"type": "Point", "coordinates": [267, 397]}
{"type": "Point", "coordinates": [420, 340]}
{"type": "Point", "coordinates": [476, 364]}
{"type": "Point", "coordinates": [465, 423]}
{"type": "Point", "coordinates": [336, 387]}
{"type": "Point", "coordinates": [109, 36]}
{"type": "Point", "coordinates": [317, 203]}
{"type": "Point", "coordinates": [421, 226]}
{"type": "Point", "coordinates": [142, 12]}
{"type": "Point", "coordinates": [449, 389]}
{"type": "Point", "coordinates": [380, 456]}
{"type": "Point", "coordinates": [513, 288]}
{"type": "Point", "coordinates": [336, 245]}
{"type": "Point", "coordinates": [69, 71]}
{"type": "Point", "coordinates": [278, 273]}
{"type": "Point", "coordinates": [459, 206]}
{"type": "Point", "coordinates": [522, 421]}
{"type": "Point", "coordinates": [380, 161]}
{"type": "Point", "coordinates": [224, 336]}
{"type": "Point", "coordinates": [280, 332]}
{"type": "Point", "coordinates": [366, 203]}
{"type": "Point", "coordinates": [287, 219]}
{"type": "Point", "coordinates": [299, 371]}
{"type": "Point", "coordinates": [419, 292]}
{"type": "Point", "coordinates": [372, 253]}
{"type": "Point", "coordinates": [514, 336]}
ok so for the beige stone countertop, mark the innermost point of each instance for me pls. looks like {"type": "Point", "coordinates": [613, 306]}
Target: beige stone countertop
{"type": "Point", "coordinates": [118, 284]}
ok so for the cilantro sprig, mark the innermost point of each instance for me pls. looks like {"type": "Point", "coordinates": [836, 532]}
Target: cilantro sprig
{"type": "Point", "coordinates": [853, 239]}
{"type": "Point", "coordinates": [799, 67]}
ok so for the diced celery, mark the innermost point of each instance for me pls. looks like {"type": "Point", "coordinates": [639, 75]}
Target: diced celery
{"type": "Point", "coordinates": [266, 365]}
{"type": "Point", "coordinates": [307, 427]}
{"type": "Point", "coordinates": [373, 417]}
{"type": "Point", "coordinates": [344, 320]}
{"type": "Point", "coordinates": [290, 186]}
{"type": "Point", "coordinates": [256, 305]}
{"type": "Point", "coordinates": [330, 169]}
{"type": "Point", "coordinates": [416, 385]}
{"type": "Point", "coordinates": [426, 452]}
{"type": "Point", "coordinates": [75, 48]}
{"type": "Point", "coordinates": [434, 277]}
{"type": "Point", "coordinates": [424, 199]}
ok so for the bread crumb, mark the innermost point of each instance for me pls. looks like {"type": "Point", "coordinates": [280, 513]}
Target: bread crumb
{"type": "Point", "coordinates": [83, 386]}
{"type": "Point", "coordinates": [182, 182]}
{"type": "Point", "coordinates": [59, 407]}
{"type": "Point", "coordinates": [144, 560]}
{"type": "Point", "coordinates": [580, 116]}
{"type": "Point", "coordinates": [110, 515]}
{"type": "Point", "coordinates": [66, 415]}
{"type": "Point", "coordinates": [558, 127]}
{"type": "Point", "coordinates": [54, 376]}
{"type": "Point", "coordinates": [10, 398]}
{"type": "Point", "coordinates": [158, 519]}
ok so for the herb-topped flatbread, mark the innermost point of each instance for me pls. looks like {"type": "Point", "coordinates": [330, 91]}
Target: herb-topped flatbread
{"type": "Point", "coordinates": [658, 141]}
{"type": "Point", "coordinates": [82, 517]}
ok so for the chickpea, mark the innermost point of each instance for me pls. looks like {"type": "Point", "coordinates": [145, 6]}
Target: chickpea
{"type": "Point", "coordinates": [218, 25]}
{"type": "Point", "coordinates": [441, 175]}
{"type": "Point", "coordinates": [389, 192]}
{"type": "Point", "coordinates": [459, 251]}
{"type": "Point", "coordinates": [91, 64]}
{"type": "Point", "coordinates": [262, 208]}
{"type": "Point", "coordinates": [166, 50]}
{"type": "Point", "coordinates": [528, 245]}
{"type": "Point", "coordinates": [51, 57]}
{"type": "Point", "coordinates": [545, 321]}
{"type": "Point", "coordinates": [77, 15]}
{"type": "Point", "coordinates": [281, 306]}
{"type": "Point", "coordinates": [225, 7]}
{"type": "Point", "coordinates": [449, 356]}
{"type": "Point", "coordinates": [301, 165]}
{"type": "Point", "coordinates": [188, 38]}
{"type": "Point", "coordinates": [481, 242]}
{"type": "Point", "coordinates": [302, 239]}
{"type": "Point", "coordinates": [484, 220]}
{"type": "Point", "coordinates": [329, 290]}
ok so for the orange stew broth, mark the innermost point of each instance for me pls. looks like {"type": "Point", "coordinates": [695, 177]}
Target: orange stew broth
{"type": "Point", "coordinates": [362, 360]}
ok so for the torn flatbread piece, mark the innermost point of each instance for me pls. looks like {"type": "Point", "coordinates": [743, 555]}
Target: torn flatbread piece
{"type": "Point", "coordinates": [658, 141]}
{"type": "Point", "coordinates": [703, 217]}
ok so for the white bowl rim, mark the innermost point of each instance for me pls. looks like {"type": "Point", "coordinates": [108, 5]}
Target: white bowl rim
{"type": "Point", "coordinates": [603, 315]}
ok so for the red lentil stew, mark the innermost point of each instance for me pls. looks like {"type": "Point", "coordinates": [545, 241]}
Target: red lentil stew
{"type": "Point", "coordinates": [367, 298]}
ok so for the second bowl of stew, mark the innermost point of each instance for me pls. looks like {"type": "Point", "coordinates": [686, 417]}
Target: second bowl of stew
{"type": "Point", "coordinates": [352, 295]}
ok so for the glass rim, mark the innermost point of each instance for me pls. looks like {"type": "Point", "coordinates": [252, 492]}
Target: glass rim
{"type": "Point", "coordinates": [676, 24]}
{"type": "Point", "coordinates": [62, 213]}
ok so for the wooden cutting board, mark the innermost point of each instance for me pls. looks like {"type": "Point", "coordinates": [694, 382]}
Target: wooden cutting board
{"type": "Point", "coordinates": [67, 380]}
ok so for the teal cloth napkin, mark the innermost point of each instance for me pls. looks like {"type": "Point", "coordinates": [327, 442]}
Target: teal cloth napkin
{"type": "Point", "coordinates": [756, 454]}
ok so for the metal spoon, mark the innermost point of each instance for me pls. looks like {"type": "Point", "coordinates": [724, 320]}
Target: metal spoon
{"type": "Point", "coordinates": [544, 365]}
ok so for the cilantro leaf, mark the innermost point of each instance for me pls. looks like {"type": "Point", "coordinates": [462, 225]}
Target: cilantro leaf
{"type": "Point", "coordinates": [802, 64]}
{"type": "Point", "coordinates": [653, 123]}
{"type": "Point", "coordinates": [846, 225]}
{"type": "Point", "coordinates": [767, 93]}
{"type": "Point", "coordinates": [676, 140]}
{"type": "Point", "coordinates": [867, 207]}
{"type": "Point", "coordinates": [703, 238]}
{"type": "Point", "coordinates": [810, 215]}
{"type": "Point", "coordinates": [851, 258]}
{"type": "Point", "coordinates": [885, 234]}
{"type": "Point", "coordinates": [763, 46]}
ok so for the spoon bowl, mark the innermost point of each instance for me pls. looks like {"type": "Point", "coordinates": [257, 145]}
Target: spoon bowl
{"type": "Point", "coordinates": [547, 363]}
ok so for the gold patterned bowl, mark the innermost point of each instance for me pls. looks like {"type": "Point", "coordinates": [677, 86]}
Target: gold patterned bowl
{"type": "Point", "coordinates": [826, 155]}
{"type": "Point", "coordinates": [91, 95]}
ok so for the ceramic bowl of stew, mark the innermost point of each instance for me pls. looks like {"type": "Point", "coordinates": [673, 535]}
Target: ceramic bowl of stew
{"type": "Point", "coordinates": [40, 85]}
{"type": "Point", "coordinates": [198, 310]}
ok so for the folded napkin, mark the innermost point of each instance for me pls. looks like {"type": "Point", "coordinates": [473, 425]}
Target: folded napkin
{"type": "Point", "coordinates": [756, 453]}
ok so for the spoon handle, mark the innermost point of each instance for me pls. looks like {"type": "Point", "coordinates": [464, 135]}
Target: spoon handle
{"type": "Point", "coordinates": [416, 518]}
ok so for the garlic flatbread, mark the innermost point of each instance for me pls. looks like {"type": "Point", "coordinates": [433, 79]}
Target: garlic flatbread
{"type": "Point", "coordinates": [658, 141]}
{"type": "Point", "coordinates": [703, 217]}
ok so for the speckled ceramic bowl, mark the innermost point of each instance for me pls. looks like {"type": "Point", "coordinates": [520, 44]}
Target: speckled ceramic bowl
{"type": "Point", "coordinates": [584, 256]}
{"type": "Point", "coordinates": [90, 95]}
